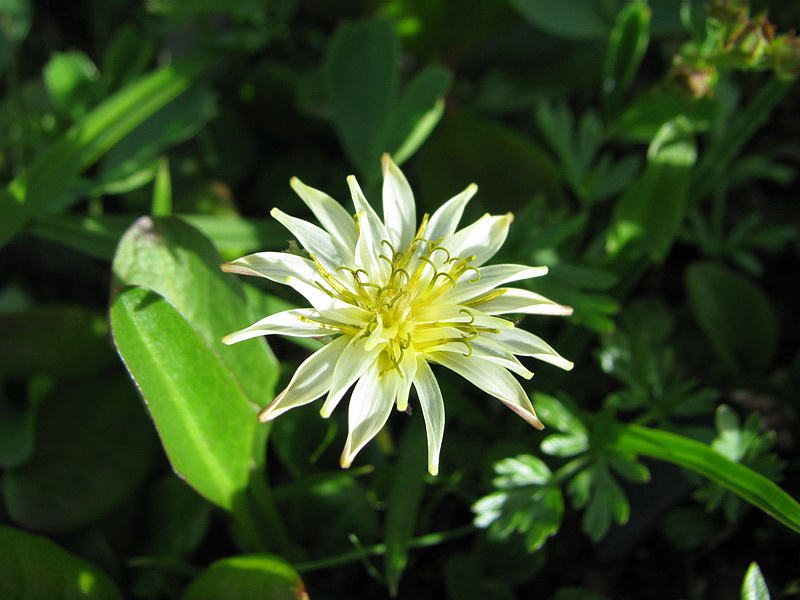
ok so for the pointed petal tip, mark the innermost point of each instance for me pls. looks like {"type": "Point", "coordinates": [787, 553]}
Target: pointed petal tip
{"type": "Point", "coordinates": [387, 163]}
{"type": "Point", "coordinates": [229, 339]}
{"type": "Point", "coordinates": [346, 461]}
{"type": "Point", "coordinates": [433, 469]}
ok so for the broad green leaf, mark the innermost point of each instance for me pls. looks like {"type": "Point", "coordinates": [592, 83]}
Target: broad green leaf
{"type": "Point", "coordinates": [94, 446]}
{"type": "Point", "coordinates": [248, 577]}
{"type": "Point", "coordinates": [360, 72]}
{"type": "Point", "coordinates": [172, 258]}
{"type": "Point", "coordinates": [735, 314]}
{"type": "Point", "coordinates": [55, 169]}
{"type": "Point", "coordinates": [206, 422]}
{"type": "Point", "coordinates": [402, 508]}
{"type": "Point", "coordinates": [754, 587]}
{"type": "Point", "coordinates": [652, 211]}
{"type": "Point", "coordinates": [741, 480]}
{"type": "Point", "coordinates": [34, 567]}
{"type": "Point", "coordinates": [573, 20]}
{"type": "Point", "coordinates": [626, 47]}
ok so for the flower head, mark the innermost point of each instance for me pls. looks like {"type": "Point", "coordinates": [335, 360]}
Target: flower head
{"type": "Point", "coordinates": [395, 297]}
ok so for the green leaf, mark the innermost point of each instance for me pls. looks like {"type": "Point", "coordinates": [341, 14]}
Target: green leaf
{"type": "Point", "coordinates": [754, 587]}
{"type": "Point", "coordinates": [34, 567]}
{"type": "Point", "coordinates": [83, 465]}
{"type": "Point", "coordinates": [717, 159]}
{"type": "Point", "coordinates": [162, 190]}
{"type": "Point", "coordinates": [735, 314]}
{"type": "Point", "coordinates": [505, 164]}
{"type": "Point", "coordinates": [527, 502]}
{"type": "Point", "coordinates": [607, 501]}
{"type": "Point", "coordinates": [55, 169]}
{"type": "Point", "coordinates": [70, 79]}
{"type": "Point", "coordinates": [651, 212]}
{"type": "Point", "coordinates": [248, 577]}
{"type": "Point", "coordinates": [626, 47]}
{"type": "Point", "coordinates": [741, 480]}
{"type": "Point", "coordinates": [418, 111]}
{"type": "Point", "coordinates": [99, 236]}
{"type": "Point", "coordinates": [170, 257]}
{"type": "Point", "coordinates": [402, 508]}
{"type": "Point", "coordinates": [573, 20]}
{"type": "Point", "coordinates": [206, 422]}
{"type": "Point", "coordinates": [172, 123]}
{"type": "Point", "coordinates": [360, 72]}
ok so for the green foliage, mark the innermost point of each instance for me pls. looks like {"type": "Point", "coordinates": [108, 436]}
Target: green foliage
{"type": "Point", "coordinates": [35, 567]}
{"type": "Point", "coordinates": [648, 153]}
{"type": "Point", "coordinates": [249, 577]}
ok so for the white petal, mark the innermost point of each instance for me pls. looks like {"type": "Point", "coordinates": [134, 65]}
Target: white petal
{"type": "Point", "coordinates": [471, 284]}
{"type": "Point", "coordinates": [515, 300]}
{"type": "Point", "coordinates": [481, 239]}
{"type": "Point", "coordinates": [484, 348]}
{"type": "Point", "coordinates": [276, 266]}
{"type": "Point", "coordinates": [353, 362]}
{"type": "Point", "coordinates": [311, 379]}
{"type": "Point", "coordinates": [318, 242]}
{"type": "Point", "coordinates": [430, 399]}
{"type": "Point", "coordinates": [330, 213]}
{"type": "Point", "coordinates": [408, 368]}
{"type": "Point", "coordinates": [492, 379]}
{"type": "Point", "coordinates": [370, 406]}
{"type": "Point", "coordinates": [287, 322]}
{"type": "Point", "coordinates": [399, 212]}
{"type": "Point", "coordinates": [525, 343]}
{"type": "Point", "coordinates": [318, 298]}
{"type": "Point", "coordinates": [371, 232]}
{"type": "Point", "coordinates": [445, 220]}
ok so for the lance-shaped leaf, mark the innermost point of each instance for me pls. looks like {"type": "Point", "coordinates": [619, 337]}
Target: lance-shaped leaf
{"type": "Point", "coordinates": [51, 173]}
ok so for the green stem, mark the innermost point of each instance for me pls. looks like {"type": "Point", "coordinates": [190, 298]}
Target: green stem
{"type": "Point", "coordinates": [423, 541]}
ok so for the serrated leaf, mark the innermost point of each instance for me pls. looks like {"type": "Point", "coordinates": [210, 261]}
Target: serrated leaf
{"type": "Point", "coordinates": [34, 567]}
{"type": "Point", "coordinates": [564, 445]}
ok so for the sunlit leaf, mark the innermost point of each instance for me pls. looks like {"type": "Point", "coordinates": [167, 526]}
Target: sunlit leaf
{"type": "Point", "coordinates": [206, 422]}
{"type": "Point", "coordinates": [35, 567]}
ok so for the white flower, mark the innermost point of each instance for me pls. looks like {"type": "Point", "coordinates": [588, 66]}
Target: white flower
{"type": "Point", "coordinates": [396, 297]}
